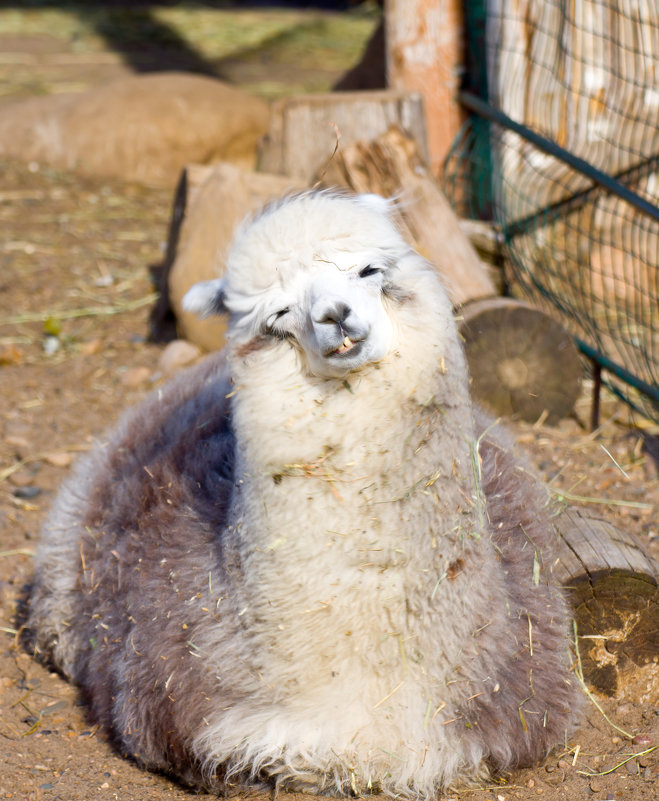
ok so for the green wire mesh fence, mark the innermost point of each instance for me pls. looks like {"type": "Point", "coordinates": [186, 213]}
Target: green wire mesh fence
{"type": "Point", "coordinates": [562, 152]}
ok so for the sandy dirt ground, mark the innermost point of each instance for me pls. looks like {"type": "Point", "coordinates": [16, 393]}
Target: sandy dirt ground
{"type": "Point", "coordinates": [76, 291]}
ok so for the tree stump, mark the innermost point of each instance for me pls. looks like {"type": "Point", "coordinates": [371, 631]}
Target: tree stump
{"type": "Point", "coordinates": [612, 586]}
{"type": "Point", "coordinates": [523, 363]}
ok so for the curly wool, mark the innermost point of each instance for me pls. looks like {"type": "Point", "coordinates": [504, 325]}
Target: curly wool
{"type": "Point", "coordinates": [327, 583]}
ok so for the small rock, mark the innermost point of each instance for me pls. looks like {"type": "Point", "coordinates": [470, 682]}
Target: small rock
{"type": "Point", "coordinates": [51, 345]}
{"type": "Point", "coordinates": [530, 783]}
{"type": "Point", "coordinates": [59, 459]}
{"type": "Point", "coordinates": [563, 764]}
{"type": "Point", "coordinates": [10, 355]}
{"type": "Point", "coordinates": [595, 786]}
{"type": "Point", "coordinates": [27, 492]}
{"type": "Point", "coordinates": [28, 684]}
{"type": "Point", "coordinates": [550, 768]}
{"type": "Point", "coordinates": [642, 739]}
{"type": "Point", "coordinates": [632, 767]}
{"type": "Point", "coordinates": [92, 347]}
{"type": "Point", "coordinates": [648, 774]}
{"type": "Point", "coordinates": [178, 354]}
{"type": "Point", "coordinates": [135, 376]}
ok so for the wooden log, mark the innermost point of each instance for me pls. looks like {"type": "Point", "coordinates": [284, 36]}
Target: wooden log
{"type": "Point", "coordinates": [425, 53]}
{"type": "Point", "coordinates": [612, 585]}
{"type": "Point", "coordinates": [304, 130]}
{"type": "Point", "coordinates": [523, 363]}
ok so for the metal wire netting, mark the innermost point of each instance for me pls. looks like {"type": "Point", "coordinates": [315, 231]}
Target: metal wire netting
{"type": "Point", "coordinates": [585, 76]}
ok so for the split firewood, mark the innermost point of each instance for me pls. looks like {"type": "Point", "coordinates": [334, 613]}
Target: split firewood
{"type": "Point", "coordinates": [209, 203]}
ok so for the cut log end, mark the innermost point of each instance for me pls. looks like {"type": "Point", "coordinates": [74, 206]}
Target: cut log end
{"type": "Point", "coordinates": [612, 586]}
{"type": "Point", "coordinates": [522, 362]}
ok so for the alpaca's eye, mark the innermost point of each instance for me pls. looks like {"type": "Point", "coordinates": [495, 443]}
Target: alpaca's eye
{"type": "Point", "coordinates": [274, 318]}
{"type": "Point", "coordinates": [369, 270]}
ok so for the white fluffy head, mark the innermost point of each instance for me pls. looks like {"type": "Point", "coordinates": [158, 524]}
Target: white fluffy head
{"type": "Point", "coordinates": [320, 269]}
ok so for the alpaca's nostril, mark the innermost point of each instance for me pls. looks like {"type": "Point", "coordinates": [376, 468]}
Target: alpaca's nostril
{"type": "Point", "coordinates": [334, 314]}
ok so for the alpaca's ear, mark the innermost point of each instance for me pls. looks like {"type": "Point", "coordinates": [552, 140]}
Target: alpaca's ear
{"type": "Point", "coordinates": [205, 298]}
{"type": "Point", "coordinates": [375, 203]}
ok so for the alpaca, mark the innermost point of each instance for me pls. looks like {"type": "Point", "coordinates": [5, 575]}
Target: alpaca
{"type": "Point", "coordinates": [308, 562]}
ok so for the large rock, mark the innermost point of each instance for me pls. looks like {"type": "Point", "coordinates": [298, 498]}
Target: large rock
{"type": "Point", "coordinates": [143, 128]}
{"type": "Point", "coordinates": [215, 200]}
